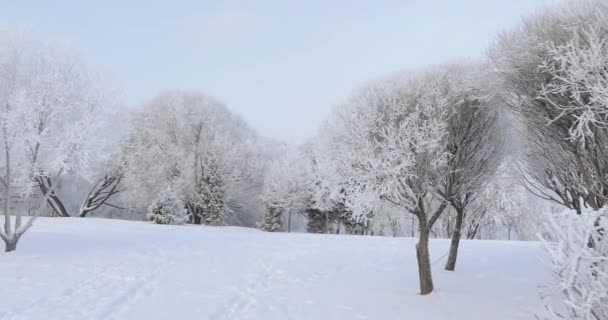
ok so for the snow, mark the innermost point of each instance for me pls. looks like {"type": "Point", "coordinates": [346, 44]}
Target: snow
{"type": "Point", "coordinates": [75, 268]}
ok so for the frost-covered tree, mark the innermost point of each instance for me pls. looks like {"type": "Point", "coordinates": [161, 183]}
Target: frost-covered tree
{"type": "Point", "coordinates": [472, 143]}
{"type": "Point", "coordinates": [207, 202]}
{"type": "Point", "coordinates": [100, 192]}
{"type": "Point", "coordinates": [504, 200]}
{"type": "Point", "coordinates": [284, 190]}
{"type": "Point", "coordinates": [49, 111]}
{"type": "Point", "coordinates": [386, 145]}
{"type": "Point", "coordinates": [273, 220]}
{"type": "Point", "coordinates": [554, 73]}
{"type": "Point", "coordinates": [168, 208]}
{"type": "Point", "coordinates": [578, 259]}
{"type": "Point", "coordinates": [193, 144]}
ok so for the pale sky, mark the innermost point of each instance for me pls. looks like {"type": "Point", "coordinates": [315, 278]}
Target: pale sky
{"type": "Point", "coordinates": [281, 65]}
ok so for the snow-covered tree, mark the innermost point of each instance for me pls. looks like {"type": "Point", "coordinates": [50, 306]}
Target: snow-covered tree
{"type": "Point", "coordinates": [168, 209]}
{"type": "Point", "coordinates": [273, 220]}
{"type": "Point", "coordinates": [505, 199]}
{"type": "Point", "coordinates": [207, 202]}
{"type": "Point", "coordinates": [578, 257]}
{"type": "Point", "coordinates": [323, 196]}
{"type": "Point", "coordinates": [284, 190]}
{"type": "Point", "coordinates": [472, 144]}
{"type": "Point", "coordinates": [193, 144]}
{"type": "Point", "coordinates": [100, 192]}
{"type": "Point", "coordinates": [50, 109]}
{"type": "Point", "coordinates": [386, 145]}
{"type": "Point", "coordinates": [554, 73]}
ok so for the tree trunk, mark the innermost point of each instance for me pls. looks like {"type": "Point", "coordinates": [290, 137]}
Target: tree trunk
{"type": "Point", "coordinates": [11, 244]}
{"type": "Point", "coordinates": [47, 189]}
{"type": "Point", "coordinates": [289, 220]}
{"type": "Point", "coordinates": [413, 226]}
{"type": "Point", "coordinates": [422, 255]}
{"type": "Point", "coordinates": [456, 235]}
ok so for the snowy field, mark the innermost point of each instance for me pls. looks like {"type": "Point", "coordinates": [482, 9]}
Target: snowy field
{"type": "Point", "coordinates": [109, 269]}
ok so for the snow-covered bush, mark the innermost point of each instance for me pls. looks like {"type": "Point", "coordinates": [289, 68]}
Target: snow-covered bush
{"type": "Point", "coordinates": [578, 253]}
{"type": "Point", "coordinates": [168, 209]}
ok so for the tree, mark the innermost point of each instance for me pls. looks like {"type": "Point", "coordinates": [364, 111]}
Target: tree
{"type": "Point", "coordinates": [580, 269]}
{"type": "Point", "coordinates": [193, 144]}
{"type": "Point", "coordinates": [554, 73]}
{"type": "Point", "coordinates": [386, 142]}
{"type": "Point", "coordinates": [284, 190]}
{"type": "Point", "coordinates": [101, 192]}
{"type": "Point", "coordinates": [168, 209]}
{"type": "Point", "coordinates": [207, 204]}
{"type": "Point", "coordinates": [273, 220]}
{"type": "Point", "coordinates": [321, 196]}
{"type": "Point", "coordinates": [472, 144]}
{"type": "Point", "coordinates": [49, 107]}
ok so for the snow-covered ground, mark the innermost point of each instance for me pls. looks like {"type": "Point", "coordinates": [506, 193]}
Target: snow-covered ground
{"type": "Point", "coordinates": [109, 269]}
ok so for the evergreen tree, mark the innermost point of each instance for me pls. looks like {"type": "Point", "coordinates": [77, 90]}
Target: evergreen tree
{"type": "Point", "coordinates": [272, 220]}
{"type": "Point", "coordinates": [208, 204]}
{"type": "Point", "coordinates": [317, 221]}
{"type": "Point", "coordinates": [352, 225]}
{"type": "Point", "coordinates": [167, 209]}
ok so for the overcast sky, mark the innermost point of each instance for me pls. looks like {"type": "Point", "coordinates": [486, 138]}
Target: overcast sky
{"type": "Point", "coordinates": [282, 65]}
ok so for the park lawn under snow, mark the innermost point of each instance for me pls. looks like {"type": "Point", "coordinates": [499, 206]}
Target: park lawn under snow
{"type": "Point", "coordinates": [70, 268]}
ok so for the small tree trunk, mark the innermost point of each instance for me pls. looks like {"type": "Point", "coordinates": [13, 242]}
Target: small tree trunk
{"type": "Point", "coordinates": [10, 242]}
{"type": "Point", "coordinates": [413, 226]}
{"type": "Point", "coordinates": [48, 190]}
{"type": "Point", "coordinates": [456, 235]}
{"type": "Point", "coordinates": [10, 245]}
{"type": "Point", "coordinates": [289, 220]}
{"type": "Point", "coordinates": [422, 255]}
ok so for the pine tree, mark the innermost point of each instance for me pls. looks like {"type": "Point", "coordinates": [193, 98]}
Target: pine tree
{"type": "Point", "coordinates": [351, 224]}
{"type": "Point", "coordinates": [167, 209]}
{"type": "Point", "coordinates": [208, 204]}
{"type": "Point", "coordinates": [317, 221]}
{"type": "Point", "coordinates": [273, 220]}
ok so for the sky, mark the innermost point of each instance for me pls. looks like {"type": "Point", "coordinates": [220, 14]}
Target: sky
{"type": "Point", "coordinates": [281, 65]}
